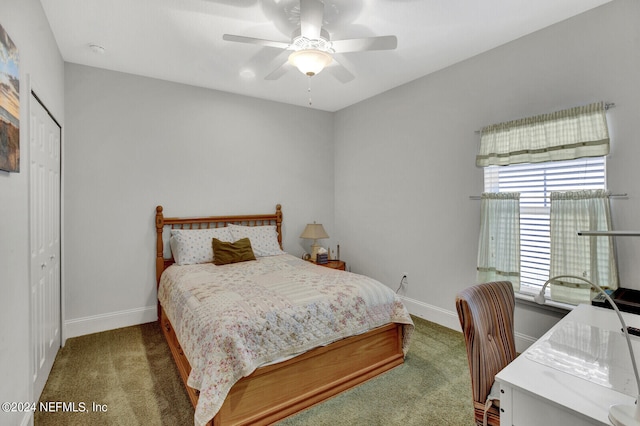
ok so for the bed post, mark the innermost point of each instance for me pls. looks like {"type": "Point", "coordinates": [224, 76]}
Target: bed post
{"type": "Point", "coordinates": [159, 250]}
{"type": "Point", "coordinates": [159, 244]}
{"type": "Point", "coordinates": [279, 223]}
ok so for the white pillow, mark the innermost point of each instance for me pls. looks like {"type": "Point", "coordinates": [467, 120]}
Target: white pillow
{"type": "Point", "coordinates": [191, 246]}
{"type": "Point", "coordinates": [264, 239]}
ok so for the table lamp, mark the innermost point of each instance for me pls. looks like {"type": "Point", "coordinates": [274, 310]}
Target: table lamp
{"type": "Point", "coordinates": [619, 414]}
{"type": "Point", "coordinates": [314, 231]}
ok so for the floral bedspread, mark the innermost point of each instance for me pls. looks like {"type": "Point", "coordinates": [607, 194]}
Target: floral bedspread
{"type": "Point", "coordinates": [231, 319]}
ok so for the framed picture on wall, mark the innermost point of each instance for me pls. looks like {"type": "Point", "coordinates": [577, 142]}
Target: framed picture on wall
{"type": "Point", "coordinates": [9, 104]}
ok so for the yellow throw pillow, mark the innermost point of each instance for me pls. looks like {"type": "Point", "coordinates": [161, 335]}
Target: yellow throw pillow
{"type": "Point", "coordinates": [225, 253]}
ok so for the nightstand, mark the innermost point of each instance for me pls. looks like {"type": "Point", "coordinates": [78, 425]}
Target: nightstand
{"type": "Point", "coordinates": [334, 264]}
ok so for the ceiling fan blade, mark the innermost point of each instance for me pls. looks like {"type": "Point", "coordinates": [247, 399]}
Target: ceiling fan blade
{"type": "Point", "coordinates": [259, 41]}
{"type": "Point", "coordinates": [362, 44]}
{"type": "Point", "coordinates": [337, 70]}
{"type": "Point", "coordinates": [311, 16]}
{"type": "Point", "coordinates": [279, 72]}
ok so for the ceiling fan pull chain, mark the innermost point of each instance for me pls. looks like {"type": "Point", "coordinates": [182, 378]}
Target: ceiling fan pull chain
{"type": "Point", "coordinates": [309, 90]}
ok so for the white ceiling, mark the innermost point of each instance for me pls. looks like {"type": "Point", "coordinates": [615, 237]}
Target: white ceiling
{"type": "Point", "coordinates": [181, 40]}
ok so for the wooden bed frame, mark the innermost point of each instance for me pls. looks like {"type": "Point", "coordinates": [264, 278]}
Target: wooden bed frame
{"type": "Point", "coordinates": [276, 391]}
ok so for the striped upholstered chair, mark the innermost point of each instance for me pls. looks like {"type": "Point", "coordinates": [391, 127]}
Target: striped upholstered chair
{"type": "Point", "coordinates": [486, 317]}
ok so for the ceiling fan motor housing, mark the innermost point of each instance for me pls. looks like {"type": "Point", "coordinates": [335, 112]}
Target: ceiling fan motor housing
{"type": "Point", "coordinates": [300, 42]}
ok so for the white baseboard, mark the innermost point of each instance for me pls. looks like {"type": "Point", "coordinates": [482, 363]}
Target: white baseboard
{"type": "Point", "coordinates": [523, 342]}
{"type": "Point", "coordinates": [432, 313]}
{"type": "Point", "coordinates": [450, 320]}
{"type": "Point", "coordinates": [103, 322]}
{"type": "Point", "coordinates": [113, 320]}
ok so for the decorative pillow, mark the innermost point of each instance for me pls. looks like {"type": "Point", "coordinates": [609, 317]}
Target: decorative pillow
{"type": "Point", "coordinates": [264, 239]}
{"type": "Point", "coordinates": [225, 252]}
{"type": "Point", "coordinates": [191, 246]}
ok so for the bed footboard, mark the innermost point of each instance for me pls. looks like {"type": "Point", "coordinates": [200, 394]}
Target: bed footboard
{"type": "Point", "coordinates": [276, 391]}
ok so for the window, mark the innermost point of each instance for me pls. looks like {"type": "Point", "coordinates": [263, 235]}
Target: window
{"type": "Point", "coordinates": [535, 182]}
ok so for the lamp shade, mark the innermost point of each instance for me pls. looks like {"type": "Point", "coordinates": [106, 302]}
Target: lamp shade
{"type": "Point", "coordinates": [314, 231]}
{"type": "Point", "coordinates": [310, 61]}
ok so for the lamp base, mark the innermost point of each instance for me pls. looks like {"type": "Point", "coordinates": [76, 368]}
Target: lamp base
{"type": "Point", "coordinates": [314, 251]}
{"type": "Point", "coordinates": [624, 415]}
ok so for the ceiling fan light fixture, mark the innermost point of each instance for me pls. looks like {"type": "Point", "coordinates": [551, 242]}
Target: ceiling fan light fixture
{"type": "Point", "coordinates": [310, 61]}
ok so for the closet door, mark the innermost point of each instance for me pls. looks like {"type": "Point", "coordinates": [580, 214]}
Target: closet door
{"type": "Point", "coordinates": [44, 208]}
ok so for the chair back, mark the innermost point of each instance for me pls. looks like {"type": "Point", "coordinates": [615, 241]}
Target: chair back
{"type": "Point", "coordinates": [486, 316]}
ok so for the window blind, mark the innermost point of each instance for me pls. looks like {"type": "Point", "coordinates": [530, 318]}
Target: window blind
{"type": "Point", "coordinates": [535, 182]}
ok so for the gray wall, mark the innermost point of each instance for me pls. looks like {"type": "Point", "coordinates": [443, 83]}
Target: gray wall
{"type": "Point", "coordinates": [40, 60]}
{"type": "Point", "coordinates": [133, 143]}
{"type": "Point", "coordinates": [405, 160]}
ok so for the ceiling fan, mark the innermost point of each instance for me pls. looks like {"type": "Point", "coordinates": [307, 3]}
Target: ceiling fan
{"type": "Point", "coordinates": [312, 46]}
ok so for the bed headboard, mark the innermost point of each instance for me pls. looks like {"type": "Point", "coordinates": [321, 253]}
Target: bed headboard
{"type": "Point", "coordinates": [207, 222]}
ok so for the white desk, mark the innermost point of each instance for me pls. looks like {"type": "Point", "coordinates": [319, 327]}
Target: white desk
{"type": "Point", "coordinates": [572, 374]}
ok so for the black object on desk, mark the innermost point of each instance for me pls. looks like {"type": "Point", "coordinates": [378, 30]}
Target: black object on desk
{"type": "Point", "coordinates": [628, 300]}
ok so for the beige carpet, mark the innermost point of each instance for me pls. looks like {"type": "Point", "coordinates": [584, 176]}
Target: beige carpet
{"type": "Point", "coordinates": [130, 372]}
